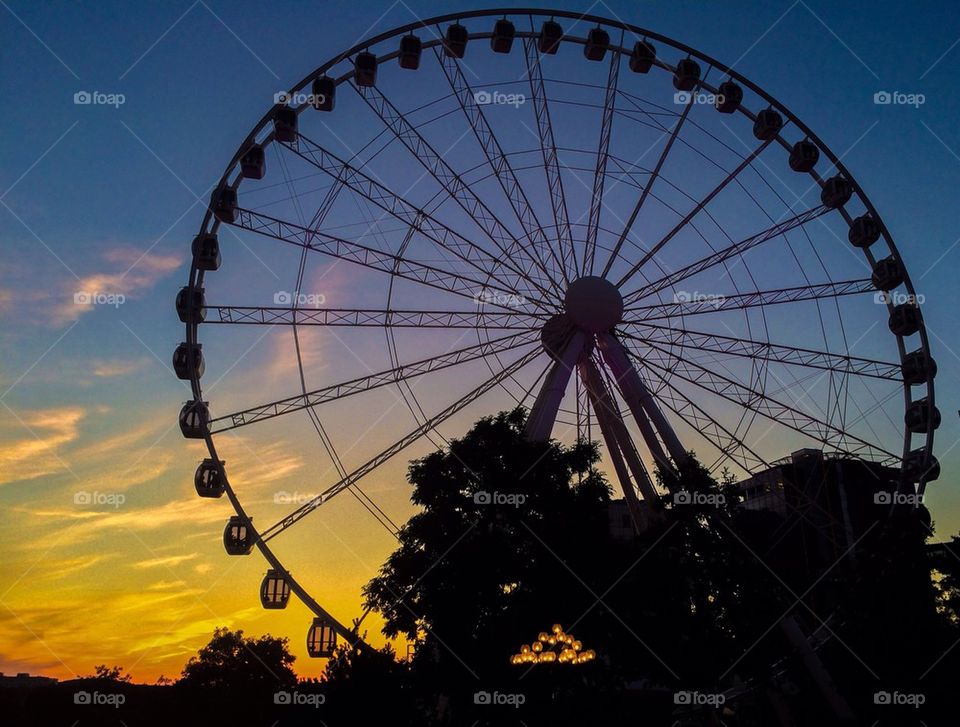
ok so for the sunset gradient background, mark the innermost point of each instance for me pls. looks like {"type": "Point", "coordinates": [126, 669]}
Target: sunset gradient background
{"type": "Point", "coordinates": [97, 198]}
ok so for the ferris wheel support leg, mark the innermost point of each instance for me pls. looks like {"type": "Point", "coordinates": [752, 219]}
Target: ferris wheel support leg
{"type": "Point", "coordinates": [618, 440]}
{"type": "Point", "coordinates": [619, 466]}
{"type": "Point", "coordinates": [545, 408]}
{"type": "Point", "coordinates": [642, 404]}
{"type": "Point", "coordinates": [817, 669]}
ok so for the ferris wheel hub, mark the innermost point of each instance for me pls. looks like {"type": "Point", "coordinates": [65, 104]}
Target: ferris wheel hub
{"type": "Point", "coordinates": [593, 304]}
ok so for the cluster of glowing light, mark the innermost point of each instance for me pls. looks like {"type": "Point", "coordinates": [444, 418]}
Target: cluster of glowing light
{"type": "Point", "coordinates": [555, 647]}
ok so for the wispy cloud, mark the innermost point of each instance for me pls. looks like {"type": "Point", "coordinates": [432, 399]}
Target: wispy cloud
{"type": "Point", "coordinates": [128, 275]}
{"type": "Point", "coordinates": [31, 452]}
{"type": "Point", "coordinates": [165, 562]}
{"type": "Point", "coordinates": [112, 369]}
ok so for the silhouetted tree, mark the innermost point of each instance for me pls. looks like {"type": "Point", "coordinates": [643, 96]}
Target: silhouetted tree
{"type": "Point", "coordinates": [111, 674]}
{"type": "Point", "coordinates": [487, 562]}
{"type": "Point", "coordinates": [514, 535]}
{"type": "Point", "coordinates": [234, 661]}
{"type": "Point", "coordinates": [347, 681]}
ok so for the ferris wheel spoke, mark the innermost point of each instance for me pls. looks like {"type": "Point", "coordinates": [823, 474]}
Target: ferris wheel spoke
{"type": "Point", "coordinates": [362, 384]}
{"type": "Point", "coordinates": [452, 183]}
{"type": "Point", "coordinates": [724, 441]}
{"type": "Point", "coordinates": [583, 414]}
{"type": "Point", "coordinates": [696, 417]}
{"type": "Point", "coordinates": [551, 164]}
{"type": "Point", "coordinates": [370, 317]}
{"type": "Point", "coordinates": [766, 351]}
{"type": "Point", "coordinates": [654, 175]}
{"type": "Point", "coordinates": [694, 212]}
{"type": "Point", "coordinates": [603, 154]}
{"type": "Point", "coordinates": [399, 446]}
{"type": "Point", "coordinates": [777, 411]}
{"type": "Point", "coordinates": [499, 162]}
{"type": "Point", "coordinates": [355, 252]}
{"type": "Point", "coordinates": [719, 256]}
{"type": "Point", "coordinates": [751, 299]}
{"type": "Point", "coordinates": [398, 207]}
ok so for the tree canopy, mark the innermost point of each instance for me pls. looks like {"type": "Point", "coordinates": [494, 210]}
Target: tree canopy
{"type": "Point", "coordinates": [513, 536]}
{"type": "Point", "coordinates": [232, 660]}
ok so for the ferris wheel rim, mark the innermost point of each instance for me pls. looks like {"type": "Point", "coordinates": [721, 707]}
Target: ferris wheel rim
{"type": "Point", "coordinates": [209, 224]}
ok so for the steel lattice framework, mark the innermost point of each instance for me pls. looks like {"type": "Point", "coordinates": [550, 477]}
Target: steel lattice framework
{"type": "Point", "coordinates": [662, 285]}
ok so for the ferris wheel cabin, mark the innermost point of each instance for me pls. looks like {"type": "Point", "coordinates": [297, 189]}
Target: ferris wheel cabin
{"type": "Point", "coordinates": [410, 49]}
{"type": "Point", "coordinates": [208, 479]}
{"type": "Point", "coordinates": [642, 57]}
{"type": "Point", "coordinates": [238, 536]}
{"type": "Point", "coordinates": [687, 75]}
{"type": "Point", "coordinates": [274, 590]}
{"type": "Point", "coordinates": [183, 354]}
{"type": "Point", "coordinates": [206, 252]}
{"type": "Point", "coordinates": [503, 34]}
{"type": "Point", "coordinates": [321, 639]}
{"type": "Point", "coordinates": [598, 40]}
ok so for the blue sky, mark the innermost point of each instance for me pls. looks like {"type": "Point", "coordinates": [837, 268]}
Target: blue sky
{"type": "Point", "coordinates": [108, 198]}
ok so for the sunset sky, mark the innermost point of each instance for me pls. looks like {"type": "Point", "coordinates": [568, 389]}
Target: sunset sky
{"type": "Point", "coordinates": [102, 198]}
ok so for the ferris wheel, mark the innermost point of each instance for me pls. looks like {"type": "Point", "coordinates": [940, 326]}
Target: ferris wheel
{"type": "Point", "coordinates": [563, 212]}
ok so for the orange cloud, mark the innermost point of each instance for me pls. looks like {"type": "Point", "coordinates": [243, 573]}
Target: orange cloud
{"type": "Point", "coordinates": [111, 369]}
{"type": "Point", "coordinates": [134, 274]}
{"type": "Point", "coordinates": [35, 455]}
